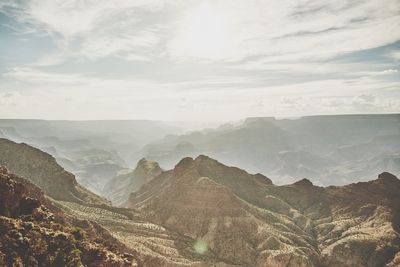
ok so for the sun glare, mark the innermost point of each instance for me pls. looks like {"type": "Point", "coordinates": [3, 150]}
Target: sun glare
{"type": "Point", "coordinates": [205, 33]}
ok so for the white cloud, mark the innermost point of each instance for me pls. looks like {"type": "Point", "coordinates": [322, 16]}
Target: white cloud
{"type": "Point", "coordinates": [263, 57]}
{"type": "Point", "coordinates": [9, 98]}
{"type": "Point", "coordinates": [295, 30]}
{"type": "Point", "coordinates": [91, 98]}
{"type": "Point", "coordinates": [281, 30]}
{"type": "Point", "coordinates": [395, 55]}
{"type": "Point", "coordinates": [387, 72]}
{"type": "Point", "coordinates": [90, 29]}
{"type": "Point", "coordinates": [72, 17]}
{"type": "Point", "coordinates": [30, 75]}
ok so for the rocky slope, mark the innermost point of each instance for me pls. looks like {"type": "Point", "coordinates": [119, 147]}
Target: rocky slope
{"type": "Point", "coordinates": [34, 232]}
{"type": "Point", "coordinates": [126, 182]}
{"type": "Point", "coordinates": [43, 170]}
{"type": "Point", "coordinates": [201, 213]}
{"type": "Point", "coordinates": [245, 220]}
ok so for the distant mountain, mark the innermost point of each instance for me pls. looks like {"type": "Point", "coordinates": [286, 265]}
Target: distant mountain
{"type": "Point", "coordinates": [127, 182]}
{"type": "Point", "coordinates": [118, 131]}
{"type": "Point", "coordinates": [200, 213]}
{"type": "Point", "coordinates": [43, 170]}
{"type": "Point", "coordinates": [95, 151]}
{"type": "Point", "coordinates": [245, 220]}
{"type": "Point", "coordinates": [332, 150]}
{"type": "Point", "coordinates": [320, 147]}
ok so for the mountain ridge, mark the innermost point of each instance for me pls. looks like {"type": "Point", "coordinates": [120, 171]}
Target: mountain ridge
{"type": "Point", "coordinates": [42, 169]}
{"type": "Point", "coordinates": [34, 232]}
{"type": "Point", "coordinates": [313, 218]}
{"type": "Point", "coordinates": [205, 213]}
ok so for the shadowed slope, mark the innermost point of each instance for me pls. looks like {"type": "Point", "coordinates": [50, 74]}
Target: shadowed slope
{"type": "Point", "coordinates": [43, 170]}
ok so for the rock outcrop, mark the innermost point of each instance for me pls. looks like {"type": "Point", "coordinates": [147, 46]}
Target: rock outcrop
{"type": "Point", "coordinates": [43, 170]}
{"type": "Point", "coordinates": [126, 182]}
{"type": "Point", "coordinates": [33, 232]}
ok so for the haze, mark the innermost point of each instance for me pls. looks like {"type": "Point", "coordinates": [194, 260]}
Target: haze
{"type": "Point", "coordinates": [197, 133]}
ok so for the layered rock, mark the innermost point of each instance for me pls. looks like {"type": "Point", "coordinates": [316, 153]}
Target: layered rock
{"type": "Point", "coordinates": [203, 213]}
{"type": "Point", "coordinates": [43, 170]}
{"type": "Point", "coordinates": [197, 207]}
{"type": "Point", "coordinates": [199, 199]}
{"type": "Point", "coordinates": [245, 220]}
{"type": "Point", "coordinates": [33, 232]}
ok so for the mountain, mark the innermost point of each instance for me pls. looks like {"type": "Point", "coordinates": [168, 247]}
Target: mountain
{"type": "Point", "coordinates": [43, 170]}
{"type": "Point", "coordinates": [200, 213]}
{"type": "Point", "coordinates": [95, 151]}
{"type": "Point", "coordinates": [245, 220]}
{"type": "Point", "coordinates": [331, 150]}
{"type": "Point", "coordinates": [126, 182]}
{"type": "Point", "coordinates": [34, 232]}
{"type": "Point", "coordinates": [323, 148]}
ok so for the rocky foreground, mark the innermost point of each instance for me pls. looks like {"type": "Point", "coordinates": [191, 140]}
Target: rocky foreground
{"type": "Point", "coordinates": [33, 232]}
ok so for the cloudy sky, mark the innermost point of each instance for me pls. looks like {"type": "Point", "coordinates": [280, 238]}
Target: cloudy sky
{"type": "Point", "coordinates": [198, 60]}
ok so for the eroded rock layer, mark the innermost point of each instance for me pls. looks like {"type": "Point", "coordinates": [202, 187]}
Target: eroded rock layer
{"type": "Point", "coordinates": [245, 220]}
{"type": "Point", "coordinates": [33, 232]}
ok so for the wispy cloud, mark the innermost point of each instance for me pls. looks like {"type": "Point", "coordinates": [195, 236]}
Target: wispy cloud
{"type": "Point", "coordinates": [255, 57]}
{"type": "Point", "coordinates": [89, 29]}
{"type": "Point", "coordinates": [395, 55]}
{"type": "Point", "coordinates": [284, 30]}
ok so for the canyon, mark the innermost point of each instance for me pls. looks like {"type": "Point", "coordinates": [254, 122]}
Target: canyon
{"type": "Point", "coordinates": [199, 213]}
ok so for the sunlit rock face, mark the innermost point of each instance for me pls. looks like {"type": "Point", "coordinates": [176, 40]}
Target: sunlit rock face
{"type": "Point", "coordinates": [199, 207]}
{"type": "Point", "coordinates": [244, 219]}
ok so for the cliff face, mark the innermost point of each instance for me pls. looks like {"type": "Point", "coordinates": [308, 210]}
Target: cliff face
{"type": "Point", "coordinates": [33, 232]}
{"type": "Point", "coordinates": [243, 219]}
{"type": "Point", "coordinates": [43, 170]}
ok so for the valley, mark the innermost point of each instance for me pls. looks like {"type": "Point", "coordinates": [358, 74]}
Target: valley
{"type": "Point", "coordinates": [156, 133]}
{"type": "Point", "coordinates": [299, 224]}
{"type": "Point", "coordinates": [205, 212]}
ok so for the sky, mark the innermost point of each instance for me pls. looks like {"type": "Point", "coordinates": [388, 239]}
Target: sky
{"type": "Point", "coordinates": [198, 60]}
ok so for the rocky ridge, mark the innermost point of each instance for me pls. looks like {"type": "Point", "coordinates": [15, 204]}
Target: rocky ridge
{"type": "Point", "coordinates": [34, 232]}
{"type": "Point", "coordinates": [43, 170]}
{"type": "Point", "coordinates": [203, 213]}
{"type": "Point", "coordinates": [119, 188]}
{"type": "Point", "coordinates": [245, 220]}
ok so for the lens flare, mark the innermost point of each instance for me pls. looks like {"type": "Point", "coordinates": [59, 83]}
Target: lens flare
{"type": "Point", "coordinates": [200, 246]}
